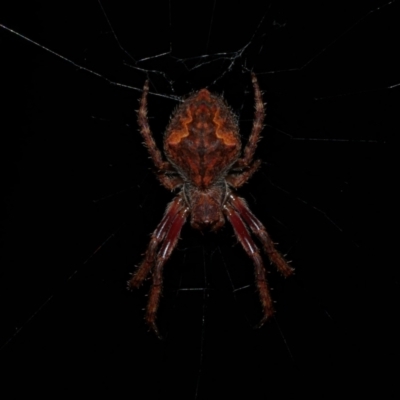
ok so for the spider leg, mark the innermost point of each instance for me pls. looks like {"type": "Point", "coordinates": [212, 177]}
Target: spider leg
{"type": "Point", "coordinates": [259, 116]}
{"type": "Point", "coordinates": [167, 247]}
{"type": "Point", "coordinates": [156, 238]}
{"type": "Point", "coordinates": [251, 249]}
{"type": "Point", "coordinates": [259, 230]}
{"type": "Point", "coordinates": [155, 154]}
{"type": "Point", "coordinates": [238, 180]}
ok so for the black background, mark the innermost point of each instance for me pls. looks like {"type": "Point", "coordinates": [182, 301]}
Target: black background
{"type": "Point", "coordinates": [76, 177]}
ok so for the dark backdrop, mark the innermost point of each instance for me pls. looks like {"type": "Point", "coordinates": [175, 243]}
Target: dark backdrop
{"type": "Point", "coordinates": [80, 200]}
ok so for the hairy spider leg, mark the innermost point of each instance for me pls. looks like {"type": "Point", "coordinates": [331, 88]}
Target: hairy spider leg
{"type": "Point", "coordinates": [252, 251]}
{"type": "Point", "coordinates": [167, 234]}
{"type": "Point", "coordinates": [239, 179]}
{"type": "Point", "coordinates": [167, 247]}
{"type": "Point", "coordinates": [258, 125]}
{"type": "Point", "coordinates": [155, 154]}
{"type": "Point", "coordinates": [157, 237]}
{"type": "Point", "coordinates": [259, 230]}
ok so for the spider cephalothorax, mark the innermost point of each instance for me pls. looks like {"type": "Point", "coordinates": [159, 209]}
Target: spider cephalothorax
{"type": "Point", "coordinates": [202, 146]}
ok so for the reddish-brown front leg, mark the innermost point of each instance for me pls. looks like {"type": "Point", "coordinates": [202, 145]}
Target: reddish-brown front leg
{"type": "Point", "coordinates": [251, 249]}
{"type": "Point", "coordinates": [166, 234]}
{"type": "Point", "coordinates": [156, 238]}
{"type": "Point", "coordinates": [259, 230]}
{"type": "Point", "coordinates": [167, 247]}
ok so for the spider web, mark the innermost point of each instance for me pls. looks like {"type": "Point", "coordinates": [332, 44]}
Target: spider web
{"type": "Point", "coordinates": [81, 200]}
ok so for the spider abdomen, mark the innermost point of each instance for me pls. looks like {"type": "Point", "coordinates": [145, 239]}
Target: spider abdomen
{"type": "Point", "coordinates": [202, 140]}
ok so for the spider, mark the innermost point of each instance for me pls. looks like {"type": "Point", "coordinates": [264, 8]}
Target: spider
{"type": "Point", "coordinates": [202, 147]}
